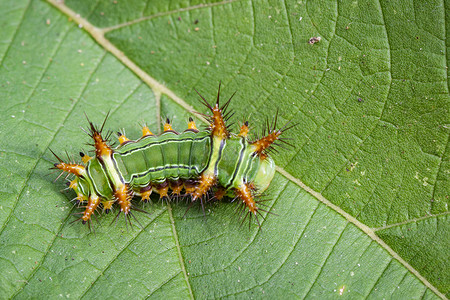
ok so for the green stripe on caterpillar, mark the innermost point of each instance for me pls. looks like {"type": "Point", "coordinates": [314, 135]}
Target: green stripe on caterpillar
{"type": "Point", "coordinates": [213, 161]}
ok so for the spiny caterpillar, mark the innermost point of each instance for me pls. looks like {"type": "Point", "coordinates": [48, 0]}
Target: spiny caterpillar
{"type": "Point", "coordinates": [207, 165]}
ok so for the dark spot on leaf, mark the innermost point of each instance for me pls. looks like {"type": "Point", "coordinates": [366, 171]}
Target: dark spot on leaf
{"type": "Point", "coordinates": [314, 39]}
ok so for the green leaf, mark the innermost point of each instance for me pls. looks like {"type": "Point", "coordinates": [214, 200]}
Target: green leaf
{"type": "Point", "coordinates": [361, 201]}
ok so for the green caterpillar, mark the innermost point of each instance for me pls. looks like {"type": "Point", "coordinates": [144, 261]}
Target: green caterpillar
{"type": "Point", "coordinates": [200, 162]}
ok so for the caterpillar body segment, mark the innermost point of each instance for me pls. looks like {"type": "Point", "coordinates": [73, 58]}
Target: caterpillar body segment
{"type": "Point", "coordinates": [206, 164]}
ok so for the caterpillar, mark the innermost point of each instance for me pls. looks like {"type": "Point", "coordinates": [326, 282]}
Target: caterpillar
{"type": "Point", "coordinates": [207, 164]}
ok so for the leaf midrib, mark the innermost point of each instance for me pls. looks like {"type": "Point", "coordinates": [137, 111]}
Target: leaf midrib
{"type": "Point", "coordinates": [180, 255]}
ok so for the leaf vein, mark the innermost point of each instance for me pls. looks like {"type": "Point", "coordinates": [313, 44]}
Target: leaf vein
{"type": "Point", "coordinates": [38, 158]}
{"type": "Point", "coordinates": [325, 261]}
{"type": "Point", "coordinates": [29, 175]}
{"type": "Point", "coordinates": [161, 14]}
{"type": "Point", "coordinates": [124, 248]}
{"type": "Point", "coordinates": [15, 32]}
{"type": "Point", "coordinates": [284, 260]}
{"type": "Point", "coordinates": [249, 242]}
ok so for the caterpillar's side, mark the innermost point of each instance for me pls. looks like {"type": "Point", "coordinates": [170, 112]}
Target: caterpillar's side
{"type": "Point", "coordinates": [196, 163]}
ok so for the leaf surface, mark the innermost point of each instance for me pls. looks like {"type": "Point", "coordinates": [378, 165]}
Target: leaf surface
{"type": "Point", "coordinates": [362, 199]}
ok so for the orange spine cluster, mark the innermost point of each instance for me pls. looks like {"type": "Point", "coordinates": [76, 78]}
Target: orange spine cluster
{"type": "Point", "coordinates": [90, 208]}
{"type": "Point", "coordinates": [265, 142]}
{"type": "Point", "coordinates": [75, 169]}
{"type": "Point", "coordinates": [245, 194]}
{"type": "Point", "coordinates": [101, 148]}
{"type": "Point", "coordinates": [123, 198]}
{"type": "Point", "coordinates": [204, 185]}
{"type": "Point", "coordinates": [218, 127]}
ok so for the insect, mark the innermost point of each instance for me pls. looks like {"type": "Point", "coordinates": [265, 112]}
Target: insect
{"type": "Point", "coordinates": [203, 165]}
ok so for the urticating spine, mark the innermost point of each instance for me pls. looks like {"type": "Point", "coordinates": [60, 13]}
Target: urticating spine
{"type": "Point", "coordinates": [196, 163]}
